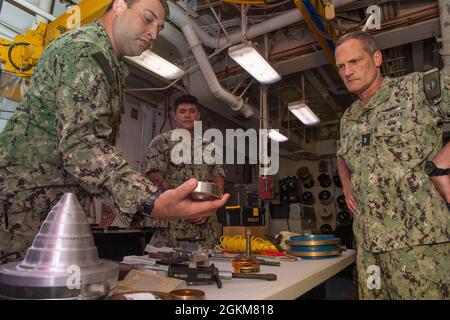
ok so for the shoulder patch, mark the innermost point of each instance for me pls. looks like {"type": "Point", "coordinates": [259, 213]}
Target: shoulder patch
{"type": "Point", "coordinates": [104, 64]}
{"type": "Point", "coordinates": [432, 86]}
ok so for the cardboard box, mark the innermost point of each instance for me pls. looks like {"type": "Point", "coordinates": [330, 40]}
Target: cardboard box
{"type": "Point", "coordinates": [260, 232]}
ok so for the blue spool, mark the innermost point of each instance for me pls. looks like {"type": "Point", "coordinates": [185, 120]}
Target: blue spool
{"type": "Point", "coordinates": [314, 246]}
{"type": "Point", "coordinates": [314, 237]}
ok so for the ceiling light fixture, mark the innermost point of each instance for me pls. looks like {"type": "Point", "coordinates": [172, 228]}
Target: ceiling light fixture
{"type": "Point", "coordinates": [157, 64]}
{"type": "Point", "coordinates": [301, 110]}
{"type": "Point", "coordinates": [275, 135]}
{"type": "Point", "coordinates": [246, 55]}
{"type": "Point", "coordinates": [303, 113]}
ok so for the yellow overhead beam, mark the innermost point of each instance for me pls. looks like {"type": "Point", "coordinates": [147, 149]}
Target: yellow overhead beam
{"type": "Point", "coordinates": [315, 14]}
{"type": "Point", "coordinates": [83, 13]}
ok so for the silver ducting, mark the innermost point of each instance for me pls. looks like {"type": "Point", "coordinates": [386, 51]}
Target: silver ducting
{"type": "Point", "coordinates": [62, 262]}
{"type": "Point", "coordinates": [179, 18]}
{"type": "Point", "coordinates": [236, 103]}
{"type": "Point", "coordinates": [195, 36]}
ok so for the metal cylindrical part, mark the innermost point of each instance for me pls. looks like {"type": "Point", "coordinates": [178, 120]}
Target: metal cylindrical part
{"type": "Point", "coordinates": [188, 294]}
{"type": "Point", "coordinates": [246, 265]}
{"type": "Point", "coordinates": [248, 244]}
{"type": "Point", "coordinates": [227, 275]}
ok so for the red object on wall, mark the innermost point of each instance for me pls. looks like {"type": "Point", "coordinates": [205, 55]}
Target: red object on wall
{"type": "Point", "coordinates": [265, 187]}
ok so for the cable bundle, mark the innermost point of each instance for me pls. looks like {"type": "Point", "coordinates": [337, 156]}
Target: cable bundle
{"type": "Point", "coordinates": [238, 243]}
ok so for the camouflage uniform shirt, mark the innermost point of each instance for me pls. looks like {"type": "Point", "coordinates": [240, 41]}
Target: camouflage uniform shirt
{"type": "Point", "coordinates": [62, 136]}
{"type": "Point", "coordinates": [159, 159]}
{"type": "Point", "coordinates": [385, 145]}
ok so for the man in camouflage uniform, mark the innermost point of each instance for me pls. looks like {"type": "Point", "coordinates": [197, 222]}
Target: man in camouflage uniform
{"type": "Point", "coordinates": [162, 170]}
{"type": "Point", "coordinates": [61, 138]}
{"type": "Point", "coordinates": [401, 222]}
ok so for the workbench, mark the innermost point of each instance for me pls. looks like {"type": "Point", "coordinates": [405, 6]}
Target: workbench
{"type": "Point", "coordinates": [293, 279]}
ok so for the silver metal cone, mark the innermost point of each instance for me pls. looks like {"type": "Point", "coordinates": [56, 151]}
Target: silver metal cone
{"type": "Point", "coordinates": [62, 262]}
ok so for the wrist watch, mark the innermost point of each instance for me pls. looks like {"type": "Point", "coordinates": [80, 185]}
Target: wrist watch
{"type": "Point", "coordinates": [432, 170]}
{"type": "Point", "coordinates": [149, 204]}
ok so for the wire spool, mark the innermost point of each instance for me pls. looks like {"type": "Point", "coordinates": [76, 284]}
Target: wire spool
{"type": "Point", "coordinates": [308, 198]}
{"type": "Point", "coordinates": [314, 246]}
{"type": "Point", "coordinates": [337, 180]}
{"type": "Point", "coordinates": [325, 197]}
{"type": "Point", "coordinates": [326, 228]}
{"type": "Point", "coordinates": [324, 180]}
{"type": "Point", "coordinates": [239, 243]}
{"type": "Point", "coordinates": [341, 202]}
{"type": "Point", "coordinates": [343, 216]}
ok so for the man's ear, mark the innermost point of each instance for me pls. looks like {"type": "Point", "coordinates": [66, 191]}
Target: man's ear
{"type": "Point", "coordinates": [378, 58]}
{"type": "Point", "coordinates": [119, 6]}
{"type": "Point", "coordinates": [172, 114]}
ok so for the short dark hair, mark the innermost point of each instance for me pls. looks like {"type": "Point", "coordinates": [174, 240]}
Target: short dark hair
{"type": "Point", "coordinates": [368, 42]}
{"type": "Point", "coordinates": [130, 2]}
{"type": "Point", "coordinates": [186, 98]}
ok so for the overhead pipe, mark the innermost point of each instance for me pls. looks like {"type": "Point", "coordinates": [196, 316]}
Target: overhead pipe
{"type": "Point", "coordinates": [179, 17]}
{"type": "Point", "coordinates": [236, 103]}
{"type": "Point", "coordinates": [444, 17]}
{"type": "Point", "coordinates": [47, 6]}
{"type": "Point", "coordinates": [192, 31]}
{"type": "Point", "coordinates": [34, 9]}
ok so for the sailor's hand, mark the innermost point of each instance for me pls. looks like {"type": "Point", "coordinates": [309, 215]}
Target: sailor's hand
{"type": "Point", "coordinates": [201, 220]}
{"type": "Point", "coordinates": [177, 204]}
{"type": "Point", "coordinates": [442, 184]}
{"type": "Point", "coordinates": [350, 199]}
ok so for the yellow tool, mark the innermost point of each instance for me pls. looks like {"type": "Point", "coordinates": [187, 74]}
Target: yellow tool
{"type": "Point", "coordinates": [21, 55]}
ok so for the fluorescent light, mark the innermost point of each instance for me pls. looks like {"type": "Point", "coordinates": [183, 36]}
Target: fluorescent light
{"type": "Point", "coordinates": [250, 59]}
{"type": "Point", "coordinates": [158, 65]}
{"type": "Point", "coordinates": [274, 134]}
{"type": "Point", "coordinates": [303, 113]}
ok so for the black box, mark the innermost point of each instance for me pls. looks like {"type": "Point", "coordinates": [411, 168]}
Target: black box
{"type": "Point", "coordinates": [279, 211]}
{"type": "Point", "coordinates": [253, 216]}
{"type": "Point", "coordinates": [233, 216]}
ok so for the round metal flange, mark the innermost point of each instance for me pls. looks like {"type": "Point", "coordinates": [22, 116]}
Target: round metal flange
{"type": "Point", "coordinates": [95, 282]}
{"type": "Point", "coordinates": [336, 241]}
{"type": "Point", "coordinates": [207, 191]}
{"type": "Point", "coordinates": [188, 294]}
{"type": "Point", "coordinates": [314, 254]}
{"type": "Point", "coordinates": [246, 265]}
